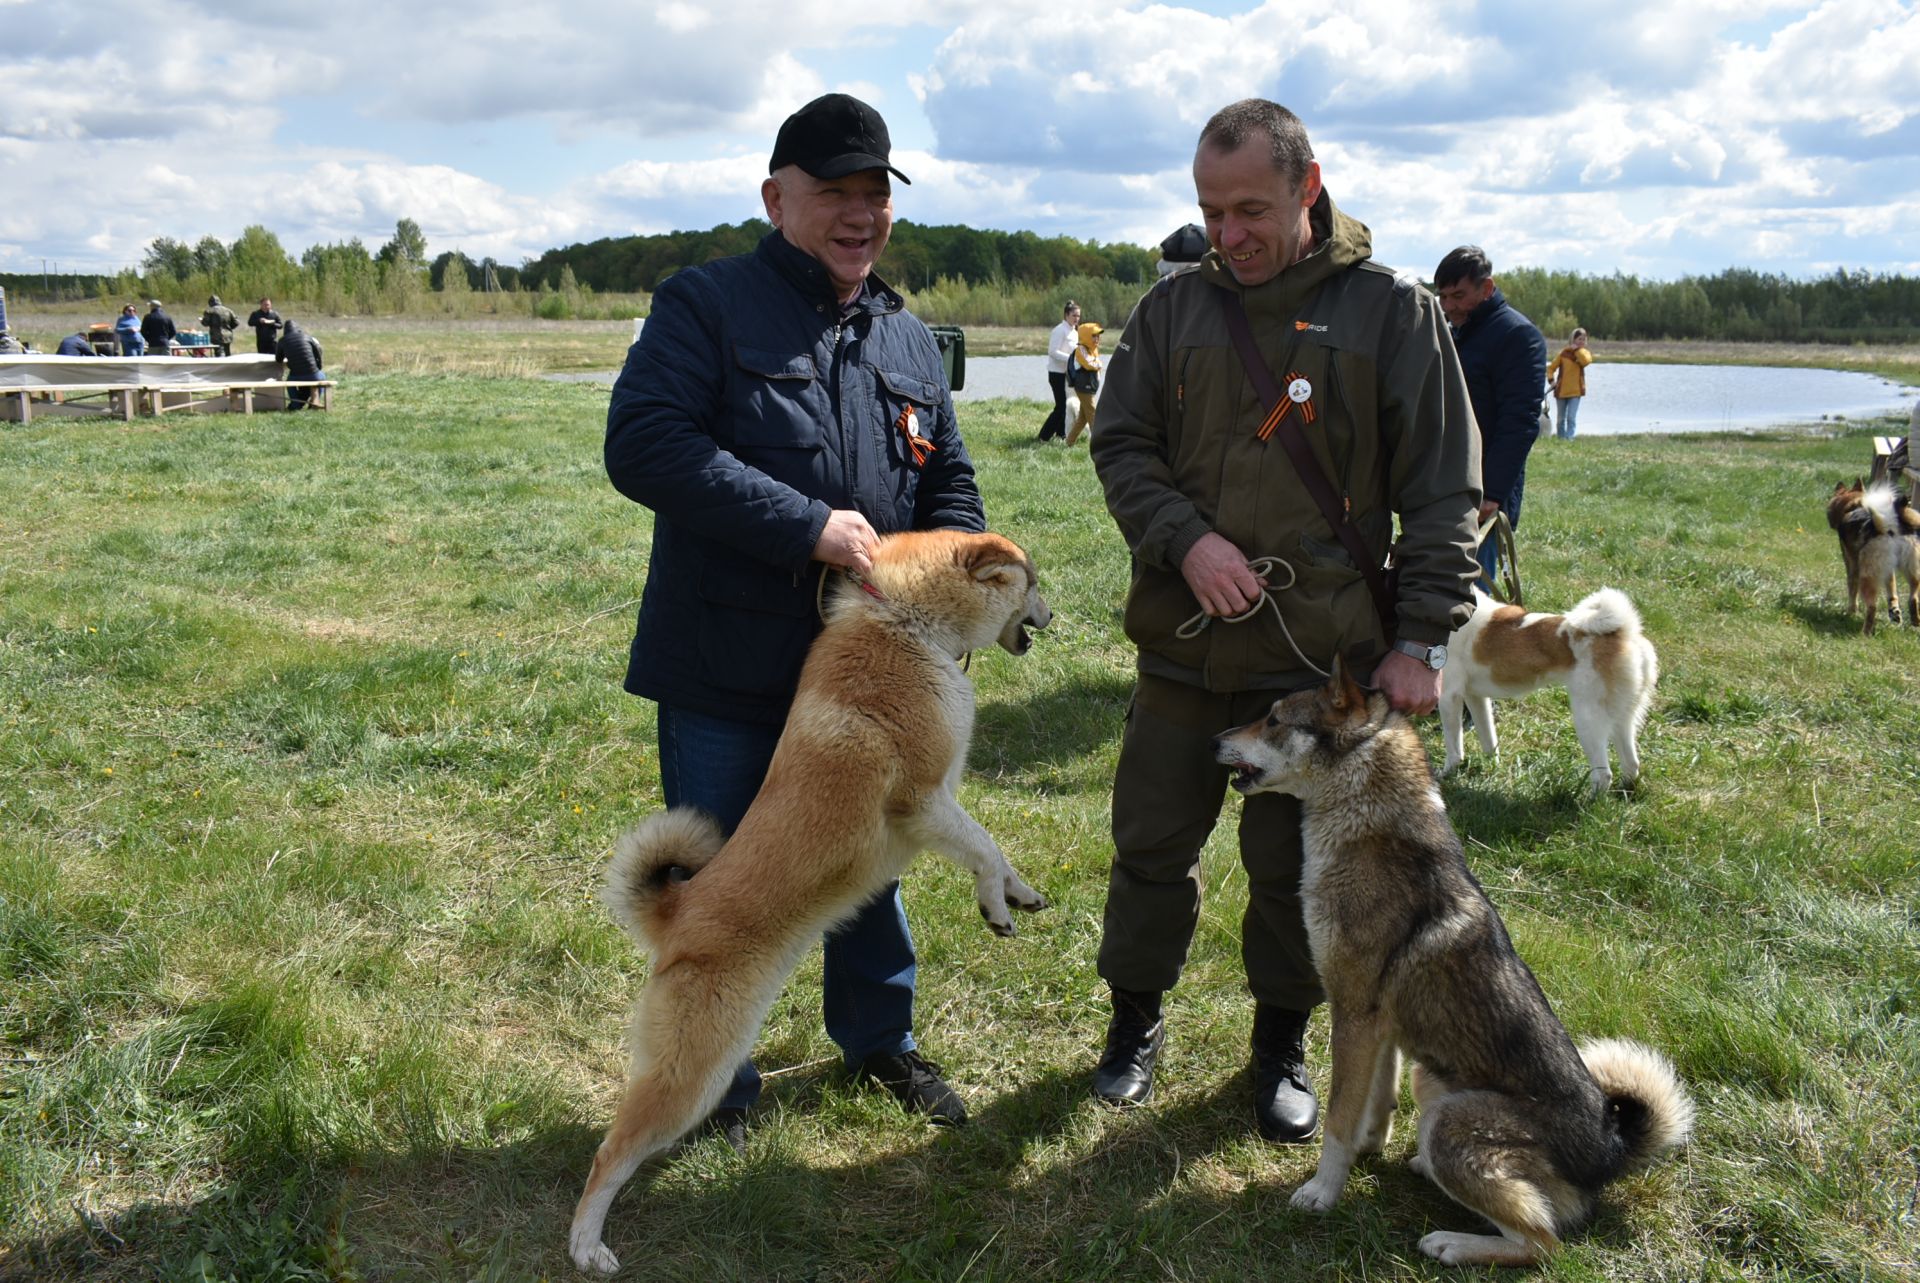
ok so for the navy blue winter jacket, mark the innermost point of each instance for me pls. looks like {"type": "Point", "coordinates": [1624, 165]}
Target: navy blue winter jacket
{"type": "Point", "coordinates": [1505, 361]}
{"type": "Point", "coordinates": [747, 410]}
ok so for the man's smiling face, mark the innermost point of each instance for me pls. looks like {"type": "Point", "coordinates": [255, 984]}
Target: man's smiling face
{"type": "Point", "coordinates": [1254, 216]}
{"type": "Point", "coordinates": [843, 222]}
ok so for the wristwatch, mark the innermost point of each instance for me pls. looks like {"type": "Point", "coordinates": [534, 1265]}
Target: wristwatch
{"type": "Point", "coordinates": [1434, 657]}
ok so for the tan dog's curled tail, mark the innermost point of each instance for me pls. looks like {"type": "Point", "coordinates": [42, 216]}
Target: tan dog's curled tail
{"type": "Point", "coordinates": [1603, 612]}
{"type": "Point", "coordinates": [649, 863]}
{"type": "Point", "coordinates": [1644, 1093]}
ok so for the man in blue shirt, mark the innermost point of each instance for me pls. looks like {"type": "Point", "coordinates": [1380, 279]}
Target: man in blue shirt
{"type": "Point", "coordinates": [76, 345]}
{"type": "Point", "coordinates": [1504, 359]}
{"type": "Point", "coordinates": [780, 412]}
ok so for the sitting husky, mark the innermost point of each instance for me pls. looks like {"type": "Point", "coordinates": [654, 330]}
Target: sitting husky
{"type": "Point", "coordinates": [1515, 1122]}
{"type": "Point", "coordinates": [1596, 650]}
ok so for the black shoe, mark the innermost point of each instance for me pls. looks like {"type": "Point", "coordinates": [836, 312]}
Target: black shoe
{"type": "Point", "coordinates": [1284, 1106]}
{"type": "Point", "coordinates": [1124, 1075]}
{"type": "Point", "coordinates": [915, 1082]}
{"type": "Point", "coordinates": [730, 1124]}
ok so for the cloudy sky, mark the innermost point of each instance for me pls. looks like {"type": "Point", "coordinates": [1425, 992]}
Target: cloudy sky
{"type": "Point", "coordinates": [1654, 137]}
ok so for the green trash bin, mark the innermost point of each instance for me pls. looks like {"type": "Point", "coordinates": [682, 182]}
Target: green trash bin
{"type": "Point", "coordinates": [953, 354]}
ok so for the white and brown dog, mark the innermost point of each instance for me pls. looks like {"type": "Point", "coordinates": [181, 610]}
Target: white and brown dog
{"type": "Point", "coordinates": [1596, 650]}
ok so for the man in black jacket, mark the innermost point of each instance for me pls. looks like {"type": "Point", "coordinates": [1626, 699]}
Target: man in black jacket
{"type": "Point", "coordinates": [1504, 358]}
{"type": "Point", "coordinates": [780, 411]}
{"type": "Point", "coordinates": [297, 359]}
{"type": "Point", "coordinates": [266, 327]}
{"type": "Point", "coordinates": [157, 328]}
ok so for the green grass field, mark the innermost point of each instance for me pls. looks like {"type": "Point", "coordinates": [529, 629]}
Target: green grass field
{"type": "Point", "coordinates": [312, 747]}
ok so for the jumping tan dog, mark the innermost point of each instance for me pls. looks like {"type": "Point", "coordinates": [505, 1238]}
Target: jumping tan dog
{"type": "Point", "coordinates": [1889, 550]}
{"type": "Point", "coordinates": [1596, 650]}
{"type": "Point", "coordinates": [863, 780]}
{"type": "Point", "coordinates": [1516, 1123]}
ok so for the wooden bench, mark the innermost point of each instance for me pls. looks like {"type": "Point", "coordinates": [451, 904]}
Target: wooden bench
{"type": "Point", "coordinates": [121, 402]}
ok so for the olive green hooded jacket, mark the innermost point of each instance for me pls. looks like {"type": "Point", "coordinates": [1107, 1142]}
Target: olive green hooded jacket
{"type": "Point", "coordinates": [1176, 448]}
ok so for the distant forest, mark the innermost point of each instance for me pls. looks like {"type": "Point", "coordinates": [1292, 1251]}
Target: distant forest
{"type": "Point", "coordinates": [915, 258]}
{"type": "Point", "coordinates": [957, 275]}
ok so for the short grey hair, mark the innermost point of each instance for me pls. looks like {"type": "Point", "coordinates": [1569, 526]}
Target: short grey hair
{"type": "Point", "coordinates": [1235, 125]}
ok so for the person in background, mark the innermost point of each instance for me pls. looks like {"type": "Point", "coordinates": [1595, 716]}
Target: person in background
{"type": "Point", "coordinates": [220, 323]}
{"type": "Point", "coordinates": [1505, 361]}
{"type": "Point", "coordinates": [1567, 380]}
{"type": "Point", "coordinates": [9, 345]}
{"type": "Point", "coordinates": [1086, 357]}
{"type": "Point", "coordinates": [297, 359]}
{"type": "Point", "coordinates": [266, 327]}
{"type": "Point", "coordinates": [76, 345]}
{"type": "Point", "coordinates": [780, 412]}
{"type": "Point", "coordinates": [157, 328]}
{"type": "Point", "coordinates": [1196, 489]}
{"type": "Point", "coordinates": [1059, 354]}
{"type": "Point", "coordinates": [126, 328]}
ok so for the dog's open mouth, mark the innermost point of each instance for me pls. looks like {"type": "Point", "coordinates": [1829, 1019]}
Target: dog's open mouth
{"type": "Point", "coordinates": [1245, 775]}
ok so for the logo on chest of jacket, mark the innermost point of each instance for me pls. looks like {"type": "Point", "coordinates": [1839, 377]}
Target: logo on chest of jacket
{"type": "Point", "coordinates": [1303, 327]}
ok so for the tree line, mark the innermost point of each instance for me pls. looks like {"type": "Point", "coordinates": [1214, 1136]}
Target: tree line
{"type": "Point", "coordinates": [955, 274]}
{"type": "Point", "coordinates": [916, 257]}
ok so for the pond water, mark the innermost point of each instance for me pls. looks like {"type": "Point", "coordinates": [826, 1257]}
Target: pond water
{"type": "Point", "coordinates": [1621, 398]}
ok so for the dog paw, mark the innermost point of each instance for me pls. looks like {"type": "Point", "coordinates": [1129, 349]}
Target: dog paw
{"type": "Point", "coordinates": [1450, 1247]}
{"type": "Point", "coordinates": [595, 1258]}
{"type": "Point", "coordinates": [1317, 1195]}
{"type": "Point", "coordinates": [1023, 897]}
{"type": "Point", "coordinates": [1419, 1166]}
{"type": "Point", "coordinates": [1001, 926]}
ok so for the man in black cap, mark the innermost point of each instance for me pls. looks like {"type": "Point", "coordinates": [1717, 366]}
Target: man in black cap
{"type": "Point", "coordinates": [780, 411]}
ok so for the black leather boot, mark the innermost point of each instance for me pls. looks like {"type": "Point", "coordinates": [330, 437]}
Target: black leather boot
{"type": "Point", "coordinates": [1284, 1106]}
{"type": "Point", "coordinates": [1124, 1075]}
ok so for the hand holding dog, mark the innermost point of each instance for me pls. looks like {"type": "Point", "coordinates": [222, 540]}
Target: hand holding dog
{"type": "Point", "coordinates": [1219, 576]}
{"type": "Point", "coordinates": [1407, 683]}
{"type": "Point", "coordinates": [847, 540]}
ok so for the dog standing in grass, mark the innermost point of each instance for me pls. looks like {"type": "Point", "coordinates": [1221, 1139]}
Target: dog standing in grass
{"type": "Point", "coordinates": [1889, 549]}
{"type": "Point", "coordinates": [863, 779]}
{"type": "Point", "coordinates": [1596, 650]}
{"type": "Point", "coordinates": [1516, 1123]}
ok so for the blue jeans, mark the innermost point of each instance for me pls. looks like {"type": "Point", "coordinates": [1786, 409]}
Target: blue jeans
{"type": "Point", "coordinates": [1569, 407]}
{"type": "Point", "coordinates": [717, 764]}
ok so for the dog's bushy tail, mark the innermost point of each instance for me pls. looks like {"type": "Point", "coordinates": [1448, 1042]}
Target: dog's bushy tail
{"type": "Point", "coordinates": [1603, 612]}
{"type": "Point", "coordinates": [1891, 513]}
{"type": "Point", "coordinates": [649, 863]}
{"type": "Point", "coordinates": [1644, 1098]}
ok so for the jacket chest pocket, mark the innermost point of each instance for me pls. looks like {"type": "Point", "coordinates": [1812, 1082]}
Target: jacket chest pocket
{"type": "Point", "coordinates": [909, 404]}
{"type": "Point", "coordinates": [776, 406]}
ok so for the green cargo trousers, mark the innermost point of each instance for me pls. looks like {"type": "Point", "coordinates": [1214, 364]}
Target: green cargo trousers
{"type": "Point", "coordinates": [1166, 799]}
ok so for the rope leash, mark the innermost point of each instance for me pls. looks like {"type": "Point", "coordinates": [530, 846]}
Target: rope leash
{"type": "Point", "coordinates": [1263, 567]}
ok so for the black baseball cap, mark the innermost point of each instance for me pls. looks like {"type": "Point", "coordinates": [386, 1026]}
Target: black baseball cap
{"type": "Point", "coordinates": [833, 136]}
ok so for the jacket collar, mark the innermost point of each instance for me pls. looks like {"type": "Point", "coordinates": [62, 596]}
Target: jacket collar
{"type": "Point", "coordinates": [803, 271]}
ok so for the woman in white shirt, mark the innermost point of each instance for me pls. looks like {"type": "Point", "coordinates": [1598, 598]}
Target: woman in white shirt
{"type": "Point", "coordinates": [1060, 345]}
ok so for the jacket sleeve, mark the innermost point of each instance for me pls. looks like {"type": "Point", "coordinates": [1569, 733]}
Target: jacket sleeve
{"type": "Point", "coordinates": [661, 453]}
{"type": "Point", "coordinates": [1427, 421]}
{"type": "Point", "coordinates": [1129, 444]}
{"type": "Point", "coordinates": [319, 361]}
{"type": "Point", "coordinates": [1063, 344]}
{"type": "Point", "coordinates": [1519, 373]}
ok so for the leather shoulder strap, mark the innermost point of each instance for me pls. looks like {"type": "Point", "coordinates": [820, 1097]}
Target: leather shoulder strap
{"type": "Point", "coordinates": [1304, 463]}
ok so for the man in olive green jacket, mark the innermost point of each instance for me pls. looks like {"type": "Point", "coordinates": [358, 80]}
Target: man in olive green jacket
{"type": "Point", "coordinates": [1199, 494]}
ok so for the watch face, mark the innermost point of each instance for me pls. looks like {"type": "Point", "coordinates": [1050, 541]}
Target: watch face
{"type": "Point", "coordinates": [1436, 657]}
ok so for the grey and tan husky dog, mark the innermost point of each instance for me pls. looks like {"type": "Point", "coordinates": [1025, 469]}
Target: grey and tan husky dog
{"type": "Point", "coordinates": [1515, 1121]}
